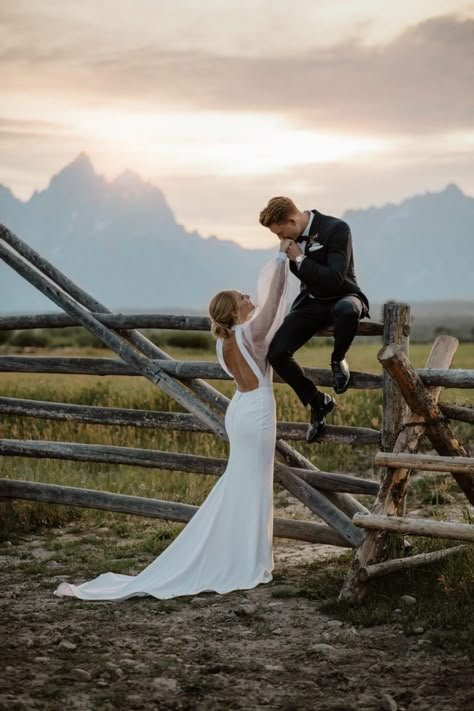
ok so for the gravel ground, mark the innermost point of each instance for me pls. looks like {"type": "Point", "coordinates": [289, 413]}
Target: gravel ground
{"type": "Point", "coordinates": [266, 648]}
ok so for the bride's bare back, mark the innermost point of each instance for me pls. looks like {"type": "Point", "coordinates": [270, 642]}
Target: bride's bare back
{"type": "Point", "coordinates": [245, 378]}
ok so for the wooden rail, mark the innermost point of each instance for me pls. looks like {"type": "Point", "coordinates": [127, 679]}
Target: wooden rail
{"type": "Point", "coordinates": [397, 565]}
{"type": "Point", "coordinates": [148, 321]}
{"type": "Point", "coordinates": [153, 508]}
{"type": "Point", "coordinates": [179, 369]}
{"type": "Point", "coordinates": [425, 462]}
{"type": "Point", "coordinates": [209, 370]}
{"type": "Point", "coordinates": [168, 420]}
{"type": "Point", "coordinates": [418, 526]}
{"type": "Point", "coordinates": [173, 461]}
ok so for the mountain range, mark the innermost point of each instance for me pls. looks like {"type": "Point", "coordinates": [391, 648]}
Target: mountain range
{"type": "Point", "coordinates": [121, 242]}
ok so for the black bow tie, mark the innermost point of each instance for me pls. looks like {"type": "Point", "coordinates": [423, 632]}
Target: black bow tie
{"type": "Point", "coordinates": [301, 238]}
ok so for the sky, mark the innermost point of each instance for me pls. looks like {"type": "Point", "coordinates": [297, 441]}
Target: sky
{"type": "Point", "coordinates": [339, 104]}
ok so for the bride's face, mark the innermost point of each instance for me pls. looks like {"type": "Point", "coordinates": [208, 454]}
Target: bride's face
{"type": "Point", "coordinates": [244, 306]}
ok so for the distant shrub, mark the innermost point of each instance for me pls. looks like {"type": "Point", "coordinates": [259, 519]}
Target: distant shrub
{"type": "Point", "coordinates": [156, 337]}
{"type": "Point", "coordinates": [190, 339]}
{"type": "Point", "coordinates": [72, 337]}
{"type": "Point", "coordinates": [84, 339]}
{"type": "Point", "coordinates": [29, 339]}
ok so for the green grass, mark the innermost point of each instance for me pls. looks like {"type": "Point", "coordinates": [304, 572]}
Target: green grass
{"type": "Point", "coordinates": [443, 593]}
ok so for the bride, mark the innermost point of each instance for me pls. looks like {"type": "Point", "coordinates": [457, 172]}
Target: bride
{"type": "Point", "coordinates": [227, 545]}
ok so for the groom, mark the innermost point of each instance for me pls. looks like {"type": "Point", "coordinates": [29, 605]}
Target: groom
{"type": "Point", "coordinates": [321, 258]}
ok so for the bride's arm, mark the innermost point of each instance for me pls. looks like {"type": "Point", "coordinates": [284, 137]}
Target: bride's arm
{"type": "Point", "coordinates": [272, 286]}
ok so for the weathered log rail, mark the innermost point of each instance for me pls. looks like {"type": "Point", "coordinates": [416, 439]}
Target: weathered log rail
{"type": "Point", "coordinates": [397, 565]}
{"type": "Point", "coordinates": [172, 461]}
{"type": "Point", "coordinates": [422, 462]}
{"type": "Point", "coordinates": [209, 370]}
{"type": "Point", "coordinates": [152, 508]}
{"type": "Point", "coordinates": [419, 526]}
{"type": "Point", "coordinates": [179, 369]}
{"type": "Point", "coordinates": [184, 422]}
{"type": "Point", "coordinates": [153, 321]}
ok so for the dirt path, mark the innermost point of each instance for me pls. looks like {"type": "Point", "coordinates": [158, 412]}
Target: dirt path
{"type": "Point", "coordinates": [266, 648]}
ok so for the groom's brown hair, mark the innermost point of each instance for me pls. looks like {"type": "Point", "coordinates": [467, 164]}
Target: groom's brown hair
{"type": "Point", "coordinates": [278, 211]}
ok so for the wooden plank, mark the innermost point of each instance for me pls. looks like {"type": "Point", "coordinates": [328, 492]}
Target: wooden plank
{"type": "Point", "coordinates": [167, 322]}
{"type": "Point", "coordinates": [397, 565]}
{"type": "Point", "coordinates": [320, 504]}
{"type": "Point", "coordinates": [455, 378]}
{"type": "Point", "coordinates": [457, 412]}
{"type": "Point", "coordinates": [92, 414]}
{"type": "Point", "coordinates": [152, 508]}
{"type": "Point", "coordinates": [166, 420]}
{"type": "Point", "coordinates": [131, 456]}
{"type": "Point", "coordinates": [207, 369]}
{"type": "Point", "coordinates": [334, 481]}
{"type": "Point", "coordinates": [179, 369]}
{"type": "Point", "coordinates": [345, 502]}
{"type": "Point", "coordinates": [314, 499]}
{"type": "Point", "coordinates": [174, 461]}
{"type": "Point", "coordinates": [426, 462]}
{"type": "Point", "coordinates": [417, 526]}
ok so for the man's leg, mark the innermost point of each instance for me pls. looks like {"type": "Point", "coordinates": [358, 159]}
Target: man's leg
{"type": "Point", "coordinates": [296, 330]}
{"type": "Point", "coordinates": [347, 313]}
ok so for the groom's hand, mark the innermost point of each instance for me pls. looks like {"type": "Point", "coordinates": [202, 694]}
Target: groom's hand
{"type": "Point", "coordinates": [293, 251]}
{"type": "Point", "coordinates": [284, 244]}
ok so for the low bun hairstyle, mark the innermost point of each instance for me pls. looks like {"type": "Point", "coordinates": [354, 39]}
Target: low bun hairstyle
{"type": "Point", "coordinates": [223, 309]}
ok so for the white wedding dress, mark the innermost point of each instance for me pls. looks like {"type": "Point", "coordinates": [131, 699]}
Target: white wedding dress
{"type": "Point", "coordinates": [227, 545]}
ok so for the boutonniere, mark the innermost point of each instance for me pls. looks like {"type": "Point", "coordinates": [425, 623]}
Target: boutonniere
{"type": "Point", "coordinates": [313, 244]}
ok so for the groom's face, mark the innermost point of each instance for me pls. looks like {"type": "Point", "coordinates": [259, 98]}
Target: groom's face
{"type": "Point", "coordinates": [286, 230]}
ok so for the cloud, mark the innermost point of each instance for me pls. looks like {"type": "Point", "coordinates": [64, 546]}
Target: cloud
{"type": "Point", "coordinates": [421, 81]}
{"type": "Point", "coordinates": [31, 127]}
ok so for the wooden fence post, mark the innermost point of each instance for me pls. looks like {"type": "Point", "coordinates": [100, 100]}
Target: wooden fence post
{"type": "Point", "coordinates": [396, 329]}
{"type": "Point", "coordinates": [394, 482]}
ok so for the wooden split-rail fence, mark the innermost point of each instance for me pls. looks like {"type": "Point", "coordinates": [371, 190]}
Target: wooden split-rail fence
{"type": "Point", "coordinates": [410, 411]}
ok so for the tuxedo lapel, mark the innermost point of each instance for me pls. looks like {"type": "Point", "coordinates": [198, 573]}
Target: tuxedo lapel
{"type": "Point", "coordinates": [313, 230]}
{"type": "Point", "coordinates": [315, 224]}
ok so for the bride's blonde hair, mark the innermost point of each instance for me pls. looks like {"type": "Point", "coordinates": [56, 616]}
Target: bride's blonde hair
{"type": "Point", "coordinates": [223, 310]}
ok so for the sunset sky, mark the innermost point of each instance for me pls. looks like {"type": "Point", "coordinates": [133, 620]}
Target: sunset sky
{"type": "Point", "coordinates": [221, 104]}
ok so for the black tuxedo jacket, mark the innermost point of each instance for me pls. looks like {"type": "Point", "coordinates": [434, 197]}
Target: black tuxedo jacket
{"type": "Point", "coordinates": [327, 273]}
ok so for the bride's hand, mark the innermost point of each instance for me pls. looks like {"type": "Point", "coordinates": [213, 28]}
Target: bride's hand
{"type": "Point", "coordinates": [284, 244]}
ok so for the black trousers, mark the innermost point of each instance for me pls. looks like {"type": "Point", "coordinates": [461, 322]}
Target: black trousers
{"type": "Point", "coordinates": [300, 325]}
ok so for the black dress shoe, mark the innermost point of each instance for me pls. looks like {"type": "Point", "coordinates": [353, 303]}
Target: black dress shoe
{"type": "Point", "coordinates": [340, 375]}
{"type": "Point", "coordinates": [322, 406]}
